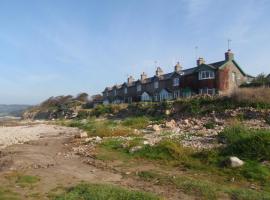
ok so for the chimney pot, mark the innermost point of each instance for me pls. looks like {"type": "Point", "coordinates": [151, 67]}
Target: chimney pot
{"type": "Point", "coordinates": [143, 76]}
{"type": "Point", "coordinates": [200, 61]}
{"type": "Point", "coordinates": [177, 67]}
{"type": "Point", "coordinates": [159, 71]}
{"type": "Point", "coordinates": [229, 55]}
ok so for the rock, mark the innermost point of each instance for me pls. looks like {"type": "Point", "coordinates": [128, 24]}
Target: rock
{"type": "Point", "coordinates": [186, 122]}
{"type": "Point", "coordinates": [88, 139]}
{"type": "Point", "coordinates": [167, 112]}
{"type": "Point", "coordinates": [171, 124]}
{"type": "Point", "coordinates": [156, 127]}
{"type": "Point", "coordinates": [134, 149]}
{"type": "Point", "coordinates": [136, 132]}
{"type": "Point", "coordinates": [81, 135]}
{"type": "Point", "coordinates": [235, 162]}
{"type": "Point", "coordinates": [145, 142]}
{"type": "Point", "coordinates": [98, 139]}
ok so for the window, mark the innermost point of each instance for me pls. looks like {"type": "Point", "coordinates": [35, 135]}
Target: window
{"type": "Point", "coordinates": [209, 91]}
{"type": "Point", "coordinates": [125, 90]}
{"type": "Point", "coordinates": [176, 82]}
{"type": "Point", "coordinates": [115, 92]}
{"type": "Point", "coordinates": [139, 88]}
{"type": "Point", "coordinates": [206, 75]}
{"type": "Point", "coordinates": [234, 77]}
{"type": "Point", "coordinates": [176, 94]}
{"type": "Point", "coordinates": [156, 84]}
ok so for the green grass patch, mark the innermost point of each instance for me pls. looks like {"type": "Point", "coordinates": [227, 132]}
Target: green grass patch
{"type": "Point", "coordinates": [209, 125]}
{"type": "Point", "coordinates": [85, 191]}
{"type": "Point", "coordinates": [21, 179]}
{"type": "Point", "coordinates": [8, 194]}
{"type": "Point", "coordinates": [246, 143]}
{"type": "Point", "coordinates": [101, 128]}
{"type": "Point", "coordinates": [136, 122]}
{"type": "Point", "coordinates": [165, 150]}
{"type": "Point", "coordinates": [27, 180]}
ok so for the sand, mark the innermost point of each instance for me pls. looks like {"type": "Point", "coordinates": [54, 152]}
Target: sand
{"type": "Point", "coordinates": [24, 133]}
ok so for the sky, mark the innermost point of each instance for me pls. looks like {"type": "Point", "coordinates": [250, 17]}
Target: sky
{"type": "Point", "coordinates": [50, 48]}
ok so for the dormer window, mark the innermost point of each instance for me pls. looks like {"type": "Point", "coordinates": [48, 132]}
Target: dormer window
{"type": "Point", "coordinates": [115, 92]}
{"type": "Point", "coordinates": [125, 90]}
{"type": "Point", "coordinates": [139, 88]}
{"type": "Point", "coordinates": [156, 84]}
{"type": "Point", "coordinates": [206, 75]}
{"type": "Point", "coordinates": [176, 82]}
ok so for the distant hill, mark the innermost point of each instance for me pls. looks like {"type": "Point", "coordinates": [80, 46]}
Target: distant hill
{"type": "Point", "coordinates": [12, 110]}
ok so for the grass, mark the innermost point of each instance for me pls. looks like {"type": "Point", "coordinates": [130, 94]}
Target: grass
{"type": "Point", "coordinates": [136, 122]}
{"type": "Point", "coordinates": [246, 143]}
{"type": "Point", "coordinates": [203, 188]}
{"type": "Point", "coordinates": [165, 150]}
{"type": "Point", "coordinates": [101, 128]}
{"type": "Point", "coordinates": [8, 194]}
{"type": "Point", "coordinates": [85, 191]}
{"type": "Point", "coordinates": [209, 125]}
{"type": "Point", "coordinates": [22, 180]}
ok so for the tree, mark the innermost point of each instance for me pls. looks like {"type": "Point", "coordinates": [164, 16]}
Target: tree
{"type": "Point", "coordinates": [83, 97]}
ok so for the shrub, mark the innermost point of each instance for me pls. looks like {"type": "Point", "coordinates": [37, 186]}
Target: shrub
{"type": "Point", "coordinates": [85, 191]}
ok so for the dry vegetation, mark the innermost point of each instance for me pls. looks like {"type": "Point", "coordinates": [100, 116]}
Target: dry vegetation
{"type": "Point", "coordinates": [252, 95]}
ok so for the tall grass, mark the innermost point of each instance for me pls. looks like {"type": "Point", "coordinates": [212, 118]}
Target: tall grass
{"type": "Point", "coordinates": [255, 97]}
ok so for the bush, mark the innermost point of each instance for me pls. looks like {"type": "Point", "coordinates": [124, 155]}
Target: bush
{"type": "Point", "coordinates": [102, 192]}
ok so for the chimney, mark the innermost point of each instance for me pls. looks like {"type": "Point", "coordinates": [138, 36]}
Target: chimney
{"type": "Point", "coordinates": [177, 67]}
{"type": "Point", "coordinates": [143, 76]}
{"type": "Point", "coordinates": [130, 80]}
{"type": "Point", "coordinates": [200, 61]}
{"type": "Point", "coordinates": [159, 71]}
{"type": "Point", "coordinates": [229, 55]}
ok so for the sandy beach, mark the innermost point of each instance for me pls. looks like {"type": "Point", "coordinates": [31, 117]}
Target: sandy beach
{"type": "Point", "coordinates": [19, 134]}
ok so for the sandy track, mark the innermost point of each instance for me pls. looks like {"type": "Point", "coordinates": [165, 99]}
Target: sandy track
{"type": "Point", "coordinates": [21, 134]}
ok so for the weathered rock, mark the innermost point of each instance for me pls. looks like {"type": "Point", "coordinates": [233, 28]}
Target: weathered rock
{"type": "Point", "coordinates": [156, 127]}
{"type": "Point", "coordinates": [81, 135]}
{"type": "Point", "coordinates": [171, 124]}
{"type": "Point", "coordinates": [98, 139]}
{"type": "Point", "coordinates": [235, 162]}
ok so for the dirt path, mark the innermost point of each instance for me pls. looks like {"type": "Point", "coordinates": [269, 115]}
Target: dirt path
{"type": "Point", "coordinates": [46, 154]}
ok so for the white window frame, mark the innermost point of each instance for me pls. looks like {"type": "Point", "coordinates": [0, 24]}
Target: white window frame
{"type": "Point", "coordinates": [209, 91]}
{"type": "Point", "coordinates": [156, 84]}
{"type": "Point", "coordinates": [207, 74]}
{"type": "Point", "coordinates": [234, 77]}
{"type": "Point", "coordinates": [139, 88]}
{"type": "Point", "coordinates": [176, 81]}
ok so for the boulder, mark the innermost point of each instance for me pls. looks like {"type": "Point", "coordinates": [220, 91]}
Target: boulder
{"type": "Point", "coordinates": [156, 127]}
{"type": "Point", "coordinates": [170, 124]}
{"type": "Point", "coordinates": [98, 139]}
{"type": "Point", "coordinates": [81, 135]}
{"type": "Point", "coordinates": [235, 162]}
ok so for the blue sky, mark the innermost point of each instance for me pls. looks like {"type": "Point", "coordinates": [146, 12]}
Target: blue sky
{"type": "Point", "coordinates": [50, 48]}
